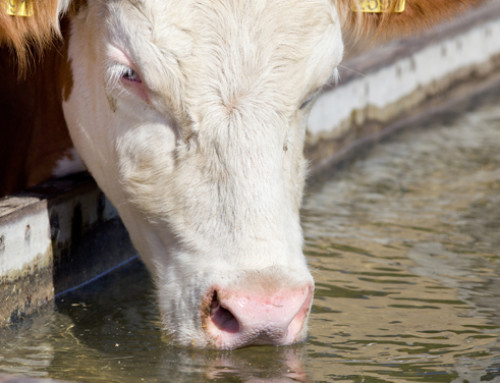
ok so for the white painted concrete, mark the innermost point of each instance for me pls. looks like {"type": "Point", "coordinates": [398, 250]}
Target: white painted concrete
{"type": "Point", "coordinates": [403, 77]}
{"type": "Point", "coordinates": [26, 244]}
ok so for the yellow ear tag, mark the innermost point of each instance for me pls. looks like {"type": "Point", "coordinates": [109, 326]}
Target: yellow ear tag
{"type": "Point", "coordinates": [18, 7]}
{"type": "Point", "coordinates": [376, 6]}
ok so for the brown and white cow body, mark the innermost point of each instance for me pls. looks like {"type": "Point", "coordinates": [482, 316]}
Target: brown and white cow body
{"type": "Point", "coordinates": [190, 115]}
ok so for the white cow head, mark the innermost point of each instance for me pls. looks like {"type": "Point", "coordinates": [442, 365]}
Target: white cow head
{"type": "Point", "coordinates": [190, 114]}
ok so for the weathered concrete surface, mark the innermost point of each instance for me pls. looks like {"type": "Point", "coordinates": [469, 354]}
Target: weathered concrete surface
{"type": "Point", "coordinates": [26, 263]}
{"type": "Point", "coordinates": [55, 237]}
{"type": "Point", "coordinates": [64, 233]}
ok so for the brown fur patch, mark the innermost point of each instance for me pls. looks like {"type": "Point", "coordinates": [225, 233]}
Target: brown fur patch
{"type": "Point", "coordinates": [34, 135]}
{"type": "Point", "coordinates": [65, 75]}
{"type": "Point", "coordinates": [66, 80]}
{"type": "Point", "coordinates": [28, 35]}
{"type": "Point", "coordinates": [418, 14]}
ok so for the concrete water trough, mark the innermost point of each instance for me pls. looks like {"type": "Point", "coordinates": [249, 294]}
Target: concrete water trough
{"type": "Point", "coordinates": [64, 233]}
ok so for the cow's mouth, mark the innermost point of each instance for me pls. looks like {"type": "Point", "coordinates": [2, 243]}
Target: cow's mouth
{"type": "Point", "coordinates": [221, 317]}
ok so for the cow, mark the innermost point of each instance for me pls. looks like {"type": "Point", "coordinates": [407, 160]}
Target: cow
{"type": "Point", "coordinates": [191, 117]}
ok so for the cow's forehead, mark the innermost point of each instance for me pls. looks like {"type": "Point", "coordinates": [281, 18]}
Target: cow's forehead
{"type": "Point", "coordinates": [256, 27]}
{"type": "Point", "coordinates": [229, 45]}
{"type": "Point", "coordinates": [309, 13]}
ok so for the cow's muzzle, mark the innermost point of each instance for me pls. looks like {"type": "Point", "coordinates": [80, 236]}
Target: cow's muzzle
{"type": "Point", "coordinates": [241, 317]}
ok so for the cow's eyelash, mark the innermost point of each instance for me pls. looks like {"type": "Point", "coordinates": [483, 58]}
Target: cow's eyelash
{"type": "Point", "coordinates": [117, 72]}
{"type": "Point", "coordinates": [311, 97]}
{"type": "Point", "coordinates": [333, 81]}
{"type": "Point", "coordinates": [130, 75]}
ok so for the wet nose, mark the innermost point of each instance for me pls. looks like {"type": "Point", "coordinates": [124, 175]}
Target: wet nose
{"type": "Point", "coordinates": [239, 318]}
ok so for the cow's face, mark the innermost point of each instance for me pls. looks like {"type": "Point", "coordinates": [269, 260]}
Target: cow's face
{"type": "Point", "coordinates": [191, 116]}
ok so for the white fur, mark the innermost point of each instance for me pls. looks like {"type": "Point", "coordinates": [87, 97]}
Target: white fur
{"type": "Point", "coordinates": [62, 6]}
{"type": "Point", "coordinates": [203, 160]}
{"type": "Point", "coordinates": [71, 163]}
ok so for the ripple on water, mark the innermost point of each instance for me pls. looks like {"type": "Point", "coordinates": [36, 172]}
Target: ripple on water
{"type": "Point", "coordinates": [405, 245]}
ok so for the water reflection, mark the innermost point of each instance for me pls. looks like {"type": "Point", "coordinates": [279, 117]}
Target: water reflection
{"type": "Point", "coordinates": [404, 247]}
{"type": "Point", "coordinates": [27, 352]}
{"type": "Point", "coordinates": [110, 332]}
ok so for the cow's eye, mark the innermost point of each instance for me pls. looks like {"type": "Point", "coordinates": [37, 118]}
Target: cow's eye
{"type": "Point", "coordinates": [121, 77]}
{"type": "Point", "coordinates": [309, 98]}
{"type": "Point", "coordinates": [306, 102]}
{"type": "Point", "coordinates": [129, 74]}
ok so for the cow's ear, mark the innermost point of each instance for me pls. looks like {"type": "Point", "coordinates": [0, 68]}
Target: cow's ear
{"type": "Point", "coordinates": [396, 17]}
{"type": "Point", "coordinates": [26, 26]}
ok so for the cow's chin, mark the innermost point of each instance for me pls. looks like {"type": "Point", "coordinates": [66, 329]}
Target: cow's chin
{"type": "Point", "coordinates": [234, 309]}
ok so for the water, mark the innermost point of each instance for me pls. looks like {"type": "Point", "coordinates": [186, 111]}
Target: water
{"type": "Point", "coordinates": [404, 244]}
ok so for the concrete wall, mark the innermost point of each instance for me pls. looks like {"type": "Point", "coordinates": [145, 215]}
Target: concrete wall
{"type": "Point", "coordinates": [65, 233]}
{"type": "Point", "coordinates": [54, 238]}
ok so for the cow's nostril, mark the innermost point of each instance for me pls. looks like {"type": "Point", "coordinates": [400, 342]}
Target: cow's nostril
{"type": "Point", "coordinates": [235, 318]}
{"type": "Point", "coordinates": [222, 317]}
